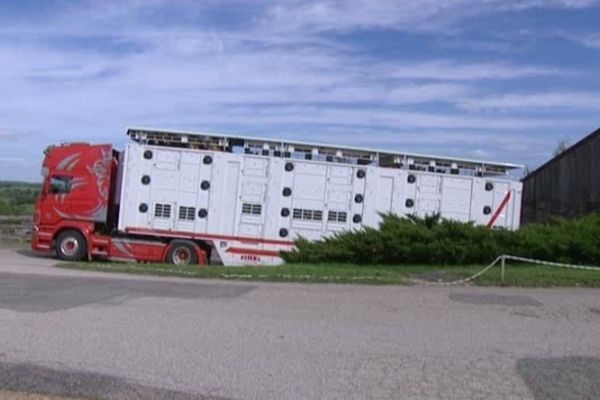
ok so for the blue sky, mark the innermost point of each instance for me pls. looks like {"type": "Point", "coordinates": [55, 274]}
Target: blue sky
{"type": "Point", "coordinates": [500, 80]}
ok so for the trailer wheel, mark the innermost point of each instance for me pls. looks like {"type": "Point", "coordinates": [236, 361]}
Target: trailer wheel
{"type": "Point", "coordinates": [182, 253]}
{"type": "Point", "coordinates": [70, 245]}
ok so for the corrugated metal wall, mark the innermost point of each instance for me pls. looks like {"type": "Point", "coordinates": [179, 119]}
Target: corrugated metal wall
{"type": "Point", "coordinates": [567, 186]}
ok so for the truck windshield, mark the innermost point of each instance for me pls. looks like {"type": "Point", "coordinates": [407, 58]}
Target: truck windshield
{"type": "Point", "coordinates": [60, 184]}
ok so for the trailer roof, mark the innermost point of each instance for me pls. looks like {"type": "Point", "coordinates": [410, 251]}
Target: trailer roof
{"type": "Point", "coordinates": [218, 141]}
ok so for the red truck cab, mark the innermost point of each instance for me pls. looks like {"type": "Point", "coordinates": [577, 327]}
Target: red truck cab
{"type": "Point", "coordinates": [76, 214]}
{"type": "Point", "coordinates": [76, 201]}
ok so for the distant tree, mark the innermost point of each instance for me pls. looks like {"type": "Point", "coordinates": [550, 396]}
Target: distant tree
{"type": "Point", "coordinates": [18, 198]}
{"type": "Point", "coordinates": [560, 147]}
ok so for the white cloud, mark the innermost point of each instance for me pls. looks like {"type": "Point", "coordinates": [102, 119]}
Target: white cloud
{"type": "Point", "coordinates": [16, 160]}
{"type": "Point", "coordinates": [8, 135]}
{"type": "Point", "coordinates": [562, 100]}
{"type": "Point", "coordinates": [372, 93]}
{"type": "Point", "coordinates": [406, 15]}
{"type": "Point", "coordinates": [591, 40]}
{"type": "Point", "coordinates": [452, 70]}
{"type": "Point", "coordinates": [576, 3]}
{"type": "Point", "coordinates": [397, 119]}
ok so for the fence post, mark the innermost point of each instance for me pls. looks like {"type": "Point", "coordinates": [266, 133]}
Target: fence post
{"type": "Point", "coordinates": [502, 266]}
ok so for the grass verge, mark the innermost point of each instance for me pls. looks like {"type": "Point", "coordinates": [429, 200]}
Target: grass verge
{"type": "Point", "coordinates": [529, 275]}
{"type": "Point", "coordinates": [516, 274]}
{"type": "Point", "coordinates": [307, 273]}
{"type": "Point", "coordinates": [13, 244]}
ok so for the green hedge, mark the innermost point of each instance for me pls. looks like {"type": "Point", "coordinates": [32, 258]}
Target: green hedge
{"type": "Point", "coordinates": [18, 198]}
{"type": "Point", "coordinates": [433, 240]}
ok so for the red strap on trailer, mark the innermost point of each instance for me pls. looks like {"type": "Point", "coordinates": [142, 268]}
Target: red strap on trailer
{"type": "Point", "coordinates": [499, 210]}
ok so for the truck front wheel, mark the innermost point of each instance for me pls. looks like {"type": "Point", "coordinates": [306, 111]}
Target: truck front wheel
{"type": "Point", "coordinates": [70, 245]}
{"type": "Point", "coordinates": [182, 253]}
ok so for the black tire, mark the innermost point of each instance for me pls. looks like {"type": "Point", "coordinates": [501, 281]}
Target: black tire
{"type": "Point", "coordinates": [182, 252]}
{"type": "Point", "coordinates": [70, 245]}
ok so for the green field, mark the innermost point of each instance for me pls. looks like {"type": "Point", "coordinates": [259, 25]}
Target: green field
{"type": "Point", "coordinates": [18, 198]}
{"type": "Point", "coordinates": [516, 274]}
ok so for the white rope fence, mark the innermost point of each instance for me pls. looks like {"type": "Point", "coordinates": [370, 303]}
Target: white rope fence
{"type": "Point", "coordinates": [550, 263]}
{"type": "Point", "coordinates": [502, 259]}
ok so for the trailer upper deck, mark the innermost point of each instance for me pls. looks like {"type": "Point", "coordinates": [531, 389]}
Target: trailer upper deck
{"type": "Point", "coordinates": [318, 152]}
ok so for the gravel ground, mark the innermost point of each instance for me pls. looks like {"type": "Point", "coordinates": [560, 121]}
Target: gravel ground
{"type": "Point", "coordinates": [108, 336]}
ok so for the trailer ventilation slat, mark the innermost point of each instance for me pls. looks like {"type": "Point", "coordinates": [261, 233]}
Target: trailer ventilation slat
{"type": "Point", "coordinates": [162, 210]}
{"type": "Point", "coordinates": [251, 209]}
{"type": "Point", "coordinates": [307, 215]}
{"type": "Point", "coordinates": [187, 213]}
{"type": "Point", "coordinates": [337, 216]}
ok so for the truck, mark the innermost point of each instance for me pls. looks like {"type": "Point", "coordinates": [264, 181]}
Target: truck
{"type": "Point", "coordinates": [198, 198]}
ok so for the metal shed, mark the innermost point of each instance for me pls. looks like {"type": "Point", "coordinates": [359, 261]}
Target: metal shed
{"type": "Point", "coordinates": [566, 186]}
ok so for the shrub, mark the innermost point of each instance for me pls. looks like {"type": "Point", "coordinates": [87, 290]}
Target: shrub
{"type": "Point", "coordinates": [433, 240]}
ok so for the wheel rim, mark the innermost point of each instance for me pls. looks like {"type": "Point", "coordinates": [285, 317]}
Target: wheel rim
{"type": "Point", "coordinates": [69, 246]}
{"type": "Point", "coordinates": [182, 256]}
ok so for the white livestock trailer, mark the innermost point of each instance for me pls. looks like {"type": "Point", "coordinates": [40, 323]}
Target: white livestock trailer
{"type": "Point", "coordinates": [248, 198]}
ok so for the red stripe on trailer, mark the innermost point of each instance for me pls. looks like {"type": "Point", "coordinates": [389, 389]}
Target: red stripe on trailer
{"type": "Point", "coordinates": [499, 210]}
{"type": "Point", "coordinates": [186, 235]}
{"type": "Point", "coordinates": [254, 252]}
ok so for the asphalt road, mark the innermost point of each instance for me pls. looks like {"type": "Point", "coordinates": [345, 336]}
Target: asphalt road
{"type": "Point", "coordinates": [94, 335]}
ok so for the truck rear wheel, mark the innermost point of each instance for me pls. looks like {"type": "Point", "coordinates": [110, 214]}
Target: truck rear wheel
{"type": "Point", "coordinates": [182, 253]}
{"type": "Point", "coordinates": [70, 245]}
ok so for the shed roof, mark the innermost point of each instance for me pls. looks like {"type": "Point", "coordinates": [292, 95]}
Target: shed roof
{"type": "Point", "coordinates": [568, 151]}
